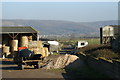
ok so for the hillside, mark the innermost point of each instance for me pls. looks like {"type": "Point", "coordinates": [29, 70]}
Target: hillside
{"type": "Point", "coordinates": [59, 27]}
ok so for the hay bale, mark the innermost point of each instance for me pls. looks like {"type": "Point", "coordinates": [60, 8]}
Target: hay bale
{"type": "Point", "coordinates": [29, 38]}
{"type": "Point", "coordinates": [39, 44]}
{"type": "Point", "coordinates": [35, 44]}
{"type": "Point", "coordinates": [39, 51]}
{"type": "Point", "coordinates": [14, 45]}
{"type": "Point", "coordinates": [46, 51]}
{"type": "Point", "coordinates": [42, 51]}
{"type": "Point", "coordinates": [36, 50]}
{"type": "Point", "coordinates": [0, 45]}
{"type": "Point", "coordinates": [6, 49]}
{"type": "Point", "coordinates": [3, 45]}
{"type": "Point", "coordinates": [24, 41]}
{"type": "Point", "coordinates": [32, 44]}
{"type": "Point", "coordinates": [14, 49]}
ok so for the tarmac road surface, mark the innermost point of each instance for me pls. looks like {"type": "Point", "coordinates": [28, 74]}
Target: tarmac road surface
{"type": "Point", "coordinates": [9, 70]}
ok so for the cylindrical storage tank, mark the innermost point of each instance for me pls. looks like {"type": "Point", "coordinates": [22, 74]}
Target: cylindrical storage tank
{"type": "Point", "coordinates": [24, 41]}
{"type": "Point", "coordinates": [46, 51]}
{"type": "Point", "coordinates": [14, 45]}
{"type": "Point", "coordinates": [6, 49]}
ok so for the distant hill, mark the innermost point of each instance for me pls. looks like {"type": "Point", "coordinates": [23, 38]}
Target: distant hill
{"type": "Point", "coordinates": [59, 27]}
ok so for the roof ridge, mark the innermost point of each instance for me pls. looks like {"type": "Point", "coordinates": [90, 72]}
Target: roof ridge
{"type": "Point", "coordinates": [14, 26]}
{"type": "Point", "coordinates": [21, 29]}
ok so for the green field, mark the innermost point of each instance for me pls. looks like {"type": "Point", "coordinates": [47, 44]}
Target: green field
{"type": "Point", "coordinates": [91, 41]}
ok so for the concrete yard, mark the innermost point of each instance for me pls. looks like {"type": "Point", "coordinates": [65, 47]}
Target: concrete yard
{"type": "Point", "coordinates": [9, 70]}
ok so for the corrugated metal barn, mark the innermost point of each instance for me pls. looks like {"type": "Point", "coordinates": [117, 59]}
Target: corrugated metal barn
{"type": "Point", "coordinates": [109, 33]}
{"type": "Point", "coordinates": [14, 37]}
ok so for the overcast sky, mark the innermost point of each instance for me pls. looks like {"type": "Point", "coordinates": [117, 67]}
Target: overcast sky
{"type": "Point", "coordinates": [72, 11]}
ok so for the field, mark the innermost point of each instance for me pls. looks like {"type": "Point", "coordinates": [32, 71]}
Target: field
{"type": "Point", "coordinates": [91, 41]}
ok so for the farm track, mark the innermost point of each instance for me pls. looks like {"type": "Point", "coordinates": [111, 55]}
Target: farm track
{"type": "Point", "coordinates": [9, 70]}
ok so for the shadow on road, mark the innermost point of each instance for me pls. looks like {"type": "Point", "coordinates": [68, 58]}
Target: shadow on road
{"type": "Point", "coordinates": [71, 70]}
{"type": "Point", "coordinates": [10, 65]}
{"type": "Point", "coordinates": [78, 70]}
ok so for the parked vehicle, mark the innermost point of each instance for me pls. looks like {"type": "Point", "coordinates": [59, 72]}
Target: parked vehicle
{"type": "Point", "coordinates": [25, 58]}
{"type": "Point", "coordinates": [81, 44]}
{"type": "Point", "coordinates": [53, 46]}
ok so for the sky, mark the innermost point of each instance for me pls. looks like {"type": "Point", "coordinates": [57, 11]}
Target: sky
{"type": "Point", "coordinates": [70, 11]}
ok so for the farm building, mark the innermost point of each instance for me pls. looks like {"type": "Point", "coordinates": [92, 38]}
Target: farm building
{"type": "Point", "coordinates": [53, 46]}
{"type": "Point", "coordinates": [14, 37]}
{"type": "Point", "coordinates": [109, 33]}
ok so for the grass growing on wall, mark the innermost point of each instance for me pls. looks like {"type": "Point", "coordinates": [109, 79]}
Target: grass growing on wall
{"type": "Point", "coordinates": [97, 51]}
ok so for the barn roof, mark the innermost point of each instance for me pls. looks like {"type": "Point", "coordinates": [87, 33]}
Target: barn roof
{"type": "Point", "coordinates": [18, 29]}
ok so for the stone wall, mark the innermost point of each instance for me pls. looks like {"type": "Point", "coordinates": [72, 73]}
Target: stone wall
{"type": "Point", "coordinates": [111, 68]}
{"type": "Point", "coordinates": [116, 44]}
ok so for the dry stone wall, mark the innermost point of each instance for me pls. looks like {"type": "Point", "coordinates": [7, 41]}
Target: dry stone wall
{"type": "Point", "coordinates": [111, 68]}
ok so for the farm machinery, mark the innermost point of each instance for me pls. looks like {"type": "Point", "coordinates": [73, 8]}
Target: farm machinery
{"type": "Point", "coordinates": [25, 57]}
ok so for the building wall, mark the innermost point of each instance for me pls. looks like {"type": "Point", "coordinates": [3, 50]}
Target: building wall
{"type": "Point", "coordinates": [109, 33]}
{"type": "Point", "coordinates": [117, 31]}
{"type": "Point", "coordinates": [116, 44]}
{"type": "Point", "coordinates": [110, 68]}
